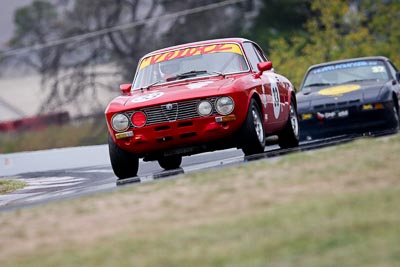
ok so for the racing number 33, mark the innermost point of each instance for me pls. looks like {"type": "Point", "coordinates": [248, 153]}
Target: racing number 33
{"type": "Point", "coordinates": [275, 99]}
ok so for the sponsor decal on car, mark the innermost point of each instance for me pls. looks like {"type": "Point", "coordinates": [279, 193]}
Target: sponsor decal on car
{"type": "Point", "coordinates": [333, 114]}
{"type": "Point", "coordinates": [339, 90]}
{"type": "Point", "coordinates": [378, 69]}
{"type": "Point", "coordinates": [264, 97]}
{"type": "Point", "coordinates": [347, 65]}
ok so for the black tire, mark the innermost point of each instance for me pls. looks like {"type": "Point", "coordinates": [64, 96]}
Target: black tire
{"type": "Point", "coordinates": [170, 162]}
{"type": "Point", "coordinates": [124, 163]}
{"type": "Point", "coordinates": [396, 117]}
{"type": "Point", "coordinates": [252, 132]}
{"type": "Point", "coordinates": [289, 137]}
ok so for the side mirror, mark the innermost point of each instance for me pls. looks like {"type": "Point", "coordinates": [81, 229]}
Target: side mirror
{"type": "Point", "coordinates": [125, 88]}
{"type": "Point", "coordinates": [263, 66]}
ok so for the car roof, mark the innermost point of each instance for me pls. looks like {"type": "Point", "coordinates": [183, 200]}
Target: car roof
{"type": "Point", "coordinates": [348, 60]}
{"type": "Point", "coordinates": [206, 42]}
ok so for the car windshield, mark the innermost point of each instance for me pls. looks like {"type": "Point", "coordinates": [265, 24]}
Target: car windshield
{"type": "Point", "coordinates": [341, 73]}
{"type": "Point", "coordinates": [216, 59]}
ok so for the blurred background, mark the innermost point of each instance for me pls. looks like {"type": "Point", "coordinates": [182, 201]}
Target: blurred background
{"type": "Point", "coordinates": [61, 61]}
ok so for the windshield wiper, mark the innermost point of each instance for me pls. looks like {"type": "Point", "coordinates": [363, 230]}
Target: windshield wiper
{"type": "Point", "coordinates": [318, 84]}
{"type": "Point", "coordinates": [217, 72]}
{"type": "Point", "coordinates": [306, 91]}
{"type": "Point", "coordinates": [361, 80]}
{"type": "Point", "coordinates": [188, 74]}
{"type": "Point", "coordinates": [150, 85]}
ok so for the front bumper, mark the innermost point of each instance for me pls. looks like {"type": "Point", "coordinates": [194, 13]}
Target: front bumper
{"type": "Point", "coordinates": [183, 137]}
{"type": "Point", "coordinates": [355, 119]}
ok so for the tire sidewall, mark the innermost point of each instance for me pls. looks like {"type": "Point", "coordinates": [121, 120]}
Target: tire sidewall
{"type": "Point", "coordinates": [123, 163]}
{"type": "Point", "coordinates": [288, 137]}
{"type": "Point", "coordinates": [170, 162]}
{"type": "Point", "coordinates": [396, 117]}
{"type": "Point", "coordinates": [251, 143]}
{"type": "Point", "coordinates": [297, 133]}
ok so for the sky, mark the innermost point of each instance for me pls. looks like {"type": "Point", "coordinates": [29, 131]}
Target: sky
{"type": "Point", "coordinates": [7, 9]}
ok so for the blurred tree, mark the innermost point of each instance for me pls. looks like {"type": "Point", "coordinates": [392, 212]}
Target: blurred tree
{"type": "Point", "coordinates": [295, 34]}
{"type": "Point", "coordinates": [340, 29]}
{"type": "Point", "coordinates": [279, 18]}
{"type": "Point", "coordinates": [75, 74]}
{"type": "Point", "coordinates": [214, 23]}
{"type": "Point", "coordinates": [34, 25]}
{"type": "Point", "coordinates": [382, 20]}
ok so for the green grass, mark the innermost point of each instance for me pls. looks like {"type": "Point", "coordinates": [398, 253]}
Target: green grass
{"type": "Point", "coordinates": [10, 185]}
{"type": "Point", "coordinates": [331, 207]}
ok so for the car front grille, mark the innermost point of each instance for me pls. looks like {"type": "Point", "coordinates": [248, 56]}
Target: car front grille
{"type": "Point", "coordinates": [171, 112]}
{"type": "Point", "coordinates": [331, 106]}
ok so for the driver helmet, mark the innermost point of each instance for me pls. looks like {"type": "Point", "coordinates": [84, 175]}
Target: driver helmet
{"type": "Point", "coordinates": [331, 77]}
{"type": "Point", "coordinates": [168, 68]}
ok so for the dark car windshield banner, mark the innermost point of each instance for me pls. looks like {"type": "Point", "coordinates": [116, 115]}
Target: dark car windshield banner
{"type": "Point", "coordinates": [347, 65]}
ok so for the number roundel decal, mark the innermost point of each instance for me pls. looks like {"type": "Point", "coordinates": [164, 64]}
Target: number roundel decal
{"type": "Point", "coordinates": [147, 97]}
{"type": "Point", "coordinates": [275, 98]}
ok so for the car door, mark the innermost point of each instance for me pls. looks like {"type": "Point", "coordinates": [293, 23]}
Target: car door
{"type": "Point", "coordinates": [396, 81]}
{"type": "Point", "coordinates": [272, 91]}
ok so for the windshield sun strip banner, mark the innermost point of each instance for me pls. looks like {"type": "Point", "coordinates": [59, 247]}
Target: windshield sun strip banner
{"type": "Point", "coordinates": [347, 65]}
{"type": "Point", "coordinates": [190, 51]}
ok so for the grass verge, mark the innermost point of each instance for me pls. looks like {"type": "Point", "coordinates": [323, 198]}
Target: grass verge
{"type": "Point", "coordinates": [10, 185]}
{"type": "Point", "coordinates": [70, 135]}
{"type": "Point", "coordinates": [332, 207]}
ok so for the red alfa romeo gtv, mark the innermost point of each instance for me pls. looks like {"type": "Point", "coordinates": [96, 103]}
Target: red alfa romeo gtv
{"type": "Point", "coordinates": [200, 97]}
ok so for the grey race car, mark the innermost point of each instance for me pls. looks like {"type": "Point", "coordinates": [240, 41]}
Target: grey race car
{"type": "Point", "coordinates": [357, 95]}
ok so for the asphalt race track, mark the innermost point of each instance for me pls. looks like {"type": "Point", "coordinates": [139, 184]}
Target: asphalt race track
{"type": "Point", "coordinates": [53, 185]}
{"type": "Point", "coordinates": [58, 183]}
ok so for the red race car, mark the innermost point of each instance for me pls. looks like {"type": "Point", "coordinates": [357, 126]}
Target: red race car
{"type": "Point", "coordinates": [200, 97]}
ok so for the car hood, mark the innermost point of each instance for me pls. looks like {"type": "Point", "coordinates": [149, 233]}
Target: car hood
{"type": "Point", "coordinates": [177, 91]}
{"type": "Point", "coordinates": [362, 91]}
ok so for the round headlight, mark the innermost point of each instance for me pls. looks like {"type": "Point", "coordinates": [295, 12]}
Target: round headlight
{"type": "Point", "coordinates": [120, 122]}
{"type": "Point", "coordinates": [204, 108]}
{"type": "Point", "coordinates": [224, 105]}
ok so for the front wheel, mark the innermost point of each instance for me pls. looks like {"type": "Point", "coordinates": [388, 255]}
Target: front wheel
{"type": "Point", "coordinates": [289, 137]}
{"type": "Point", "coordinates": [124, 163]}
{"type": "Point", "coordinates": [252, 132]}
{"type": "Point", "coordinates": [170, 162]}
